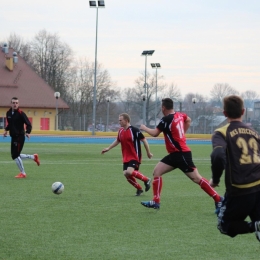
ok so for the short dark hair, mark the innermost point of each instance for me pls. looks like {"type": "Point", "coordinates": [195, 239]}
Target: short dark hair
{"type": "Point", "coordinates": [126, 117]}
{"type": "Point", "coordinates": [14, 98]}
{"type": "Point", "coordinates": [233, 106]}
{"type": "Point", "coordinates": [167, 103]}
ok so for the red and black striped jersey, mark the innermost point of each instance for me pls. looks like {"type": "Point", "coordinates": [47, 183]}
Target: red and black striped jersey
{"type": "Point", "coordinates": [130, 143]}
{"type": "Point", "coordinates": [236, 149]}
{"type": "Point", "coordinates": [172, 127]}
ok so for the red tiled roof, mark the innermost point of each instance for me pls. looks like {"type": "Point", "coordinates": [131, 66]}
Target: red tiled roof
{"type": "Point", "coordinates": [25, 84]}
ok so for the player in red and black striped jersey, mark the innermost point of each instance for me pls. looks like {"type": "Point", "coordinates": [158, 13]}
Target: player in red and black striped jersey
{"type": "Point", "coordinates": [174, 126]}
{"type": "Point", "coordinates": [16, 119]}
{"type": "Point", "coordinates": [236, 149]}
{"type": "Point", "coordinates": [130, 139]}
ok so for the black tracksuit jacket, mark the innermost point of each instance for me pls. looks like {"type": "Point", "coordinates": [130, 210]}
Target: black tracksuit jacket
{"type": "Point", "coordinates": [16, 122]}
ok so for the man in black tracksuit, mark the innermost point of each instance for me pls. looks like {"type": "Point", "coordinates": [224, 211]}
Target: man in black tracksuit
{"type": "Point", "coordinates": [236, 149]}
{"type": "Point", "coordinates": [16, 120]}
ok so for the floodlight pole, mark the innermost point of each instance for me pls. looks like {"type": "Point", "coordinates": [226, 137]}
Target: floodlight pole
{"type": "Point", "coordinates": [56, 95]}
{"type": "Point", "coordinates": [145, 53]}
{"type": "Point", "coordinates": [143, 98]}
{"type": "Point", "coordinates": [155, 101]}
{"type": "Point", "coordinates": [194, 100]}
{"type": "Point", "coordinates": [95, 73]}
{"type": "Point", "coordinates": [145, 92]}
{"type": "Point", "coordinates": [107, 113]}
{"type": "Point", "coordinates": [155, 66]}
{"type": "Point", "coordinates": [95, 81]}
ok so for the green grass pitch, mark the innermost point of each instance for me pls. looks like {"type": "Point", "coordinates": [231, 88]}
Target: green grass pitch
{"type": "Point", "coordinates": [98, 217]}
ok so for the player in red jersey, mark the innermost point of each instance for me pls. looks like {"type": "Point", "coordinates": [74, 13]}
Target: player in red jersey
{"type": "Point", "coordinates": [174, 126]}
{"type": "Point", "coordinates": [130, 138]}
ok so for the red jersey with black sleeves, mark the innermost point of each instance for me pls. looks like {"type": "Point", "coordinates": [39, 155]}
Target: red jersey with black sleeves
{"type": "Point", "coordinates": [130, 143]}
{"type": "Point", "coordinates": [172, 127]}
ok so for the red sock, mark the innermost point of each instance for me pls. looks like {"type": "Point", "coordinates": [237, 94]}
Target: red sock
{"type": "Point", "coordinates": [204, 184]}
{"type": "Point", "coordinates": [139, 176]}
{"type": "Point", "coordinates": [157, 187]}
{"type": "Point", "coordinates": [132, 181]}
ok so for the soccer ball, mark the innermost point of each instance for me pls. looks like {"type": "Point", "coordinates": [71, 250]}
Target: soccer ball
{"type": "Point", "coordinates": [57, 187]}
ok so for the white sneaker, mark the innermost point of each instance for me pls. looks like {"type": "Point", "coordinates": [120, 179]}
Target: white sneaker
{"type": "Point", "coordinates": [257, 230]}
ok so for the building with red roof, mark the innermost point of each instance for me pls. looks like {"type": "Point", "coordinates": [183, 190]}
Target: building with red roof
{"type": "Point", "coordinates": [36, 97]}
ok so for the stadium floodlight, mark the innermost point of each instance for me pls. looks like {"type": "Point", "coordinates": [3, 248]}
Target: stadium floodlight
{"type": "Point", "coordinates": [94, 4]}
{"type": "Point", "coordinates": [150, 53]}
{"type": "Point", "coordinates": [194, 100]}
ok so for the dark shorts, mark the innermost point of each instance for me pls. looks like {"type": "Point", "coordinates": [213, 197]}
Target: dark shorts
{"type": "Point", "coordinates": [17, 143]}
{"type": "Point", "coordinates": [133, 164]}
{"type": "Point", "coordinates": [181, 160]}
{"type": "Point", "coordinates": [236, 209]}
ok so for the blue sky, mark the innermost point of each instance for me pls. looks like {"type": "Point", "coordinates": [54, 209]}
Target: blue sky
{"type": "Point", "coordinates": [198, 43]}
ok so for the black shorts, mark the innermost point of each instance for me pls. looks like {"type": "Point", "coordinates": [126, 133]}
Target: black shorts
{"type": "Point", "coordinates": [238, 208]}
{"type": "Point", "coordinates": [181, 160]}
{"type": "Point", "coordinates": [133, 164]}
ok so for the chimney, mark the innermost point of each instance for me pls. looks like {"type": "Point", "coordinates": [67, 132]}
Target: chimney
{"type": "Point", "coordinates": [5, 48]}
{"type": "Point", "coordinates": [9, 63]}
{"type": "Point", "coordinates": [15, 57]}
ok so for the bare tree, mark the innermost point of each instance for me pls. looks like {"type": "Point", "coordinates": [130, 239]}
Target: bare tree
{"type": "Point", "coordinates": [250, 97]}
{"type": "Point", "coordinates": [172, 91]}
{"type": "Point", "coordinates": [131, 103]}
{"type": "Point", "coordinates": [80, 93]}
{"type": "Point", "coordinates": [18, 44]}
{"type": "Point", "coordinates": [151, 89]}
{"type": "Point", "coordinates": [194, 102]}
{"type": "Point", "coordinates": [200, 111]}
{"type": "Point", "coordinates": [221, 90]}
{"type": "Point", "coordinates": [51, 59]}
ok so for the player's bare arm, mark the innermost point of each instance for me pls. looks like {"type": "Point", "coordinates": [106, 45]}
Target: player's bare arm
{"type": "Point", "coordinates": [187, 124]}
{"type": "Point", "coordinates": [146, 146]}
{"type": "Point", "coordinates": [5, 133]}
{"type": "Point", "coordinates": [153, 132]}
{"type": "Point", "coordinates": [115, 143]}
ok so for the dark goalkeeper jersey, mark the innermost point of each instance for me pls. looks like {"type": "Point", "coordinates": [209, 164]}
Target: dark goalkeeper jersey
{"type": "Point", "coordinates": [130, 143]}
{"type": "Point", "coordinates": [236, 148]}
{"type": "Point", "coordinates": [16, 120]}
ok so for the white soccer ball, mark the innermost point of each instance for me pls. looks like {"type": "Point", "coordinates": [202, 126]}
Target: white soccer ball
{"type": "Point", "coordinates": [57, 187]}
